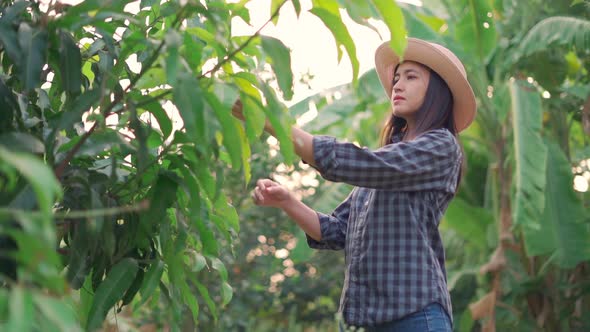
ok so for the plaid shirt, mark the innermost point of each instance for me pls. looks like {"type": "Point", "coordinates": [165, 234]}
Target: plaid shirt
{"type": "Point", "coordinates": [388, 225]}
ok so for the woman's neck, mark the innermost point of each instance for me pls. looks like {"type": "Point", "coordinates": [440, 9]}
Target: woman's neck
{"type": "Point", "coordinates": [410, 132]}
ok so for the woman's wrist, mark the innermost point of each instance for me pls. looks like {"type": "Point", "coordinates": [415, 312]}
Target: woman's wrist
{"type": "Point", "coordinates": [287, 203]}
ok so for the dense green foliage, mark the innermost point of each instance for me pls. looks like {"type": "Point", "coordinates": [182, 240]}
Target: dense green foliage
{"type": "Point", "coordinates": [116, 137]}
{"type": "Point", "coordinates": [125, 180]}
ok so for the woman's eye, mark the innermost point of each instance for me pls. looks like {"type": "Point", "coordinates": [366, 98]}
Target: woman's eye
{"type": "Point", "coordinates": [411, 77]}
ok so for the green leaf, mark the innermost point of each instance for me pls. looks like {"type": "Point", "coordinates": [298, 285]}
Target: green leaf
{"type": "Point", "coordinates": [70, 63]}
{"type": "Point", "coordinates": [41, 177]}
{"type": "Point", "coordinates": [76, 109]}
{"type": "Point", "coordinates": [226, 293]}
{"type": "Point", "coordinates": [193, 50]}
{"type": "Point", "coordinates": [276, 114]}
{"type": "Point", "coordinates": [280, 57]}
{"type": "Point", "coordinates": [557, 31]}
{"type": "Point", "coordinates": [394, 19]}
{"type": "Point", "coordinates": [218, 265]}
{"type": "Point", "coordinates": [151, 280]}
{"type": "Point", "coordinates": [328, 12]}
{"type": "Point", "coordinates": [227, 212]}
{"type": "Point", "coordinates": [9, 14]}
{"type": "Point", "coordinates": [190, 300]}
{"type": "Point", "coordinates": [274, 6]}
{"type": "Point", "coordinates": [173, 41]}
{"type": "Point", "coordinates": [207, 237]}
{"type": "Point", "coordinates": [469, 222]}
{"type": "Point", "coordinates": [206, 181]}
{"type": "Point", "coordinates": [134, 288]}
{"type": "Point", "coordinates": [153, 77]}
{"type": "Point", "coordinates": [155, 108]}
{"type": "Point", "coordinates": [187, 96]}
{"type": "Point", "coordinates": [255, 118]}
{"type": "Point", "coordinates": [229, 125]}
{"type": "Point", "coordinates": [417, 28]}
{"type": "Point", "coordinates": [297, 7]}
{"type": "Point", "coordinates": [8, 39]}
{"type": "Point", "coordinates": [21, 310]}
{"type": "Point", "coordinates": [110, 291]}
{"type": "Point", "coordinates": [33, 43]}
{"type": "Point", "coordinates": [8, 105]}
{"type": "Point", "coordinates": [22, 142]}
{"type": "Point", "coordinates": [162, 195]}
{"type": "Point", "coordinates": [198, 261]}
{"type": "Point", "coordinates": [530, 155]}
{"type": "Point", "coordinates": [205, 294]}
{"type": "Point", "coordinates": [476, 30]}
{"type": "Point", "coordinates": [78, 263]}
{"type": "Point", "coordinates": [57, 311]}
{"type": "Point", "coordinates": [563, 227]}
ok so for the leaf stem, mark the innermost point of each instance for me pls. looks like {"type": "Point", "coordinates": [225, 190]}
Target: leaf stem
{"type": "Point", "coordinates": [80, 214]}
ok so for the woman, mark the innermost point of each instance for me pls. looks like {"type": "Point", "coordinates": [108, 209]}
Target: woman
{"type": "Point", "coordinates": [395, 277]}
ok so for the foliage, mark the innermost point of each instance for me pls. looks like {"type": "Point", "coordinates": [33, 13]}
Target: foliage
{"type": "Point", "coordinates": [117, 137]}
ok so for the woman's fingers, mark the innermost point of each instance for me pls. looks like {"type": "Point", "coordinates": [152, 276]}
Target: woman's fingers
{"type": "Point", "coordinates": [259, 195]}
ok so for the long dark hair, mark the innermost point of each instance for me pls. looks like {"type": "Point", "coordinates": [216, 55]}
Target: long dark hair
{"type": "Point", "coordinates": [435, 112]}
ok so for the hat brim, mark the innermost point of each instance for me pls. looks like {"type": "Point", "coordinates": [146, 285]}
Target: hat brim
{"type": "Point", "coordinates": [464, 105]}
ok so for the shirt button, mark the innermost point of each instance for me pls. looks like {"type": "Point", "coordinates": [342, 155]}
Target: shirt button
{"type": "Point", "coordinates": [367, 203]}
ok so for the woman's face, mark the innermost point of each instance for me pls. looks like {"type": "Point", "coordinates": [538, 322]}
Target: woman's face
{"type": "Point", "coordinates": [410, 82]}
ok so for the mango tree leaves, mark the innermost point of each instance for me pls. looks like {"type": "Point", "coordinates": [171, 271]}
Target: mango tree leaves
{"type": "Point", "coordinates": [58, 312]}
{"type": "Point", "coordinates": [327, 11]}
{"type": "Point", "coordinates": [33, 43]}
{"type": "Point", "coordinates": [275, 113]}
{"type": "Point", "coordinates": [41, 178]}
{"type": "Point", "coordinates": [70, 63]}
{"type": "Point", "coordinates": [8, 104]}
{"type": "Point", "coordinates": [281, 64]}
{"type": "Point", "coordinates": [151, 280]}
{"type": "Point", "coordinates": [21, 306]}
{"type": "Point", "coordinates": [111, 290]}
{"type": "Point", "coordinates": [394, 18]}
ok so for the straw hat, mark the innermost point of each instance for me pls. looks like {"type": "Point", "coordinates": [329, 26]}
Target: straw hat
{"type": "Point", "coordinates": [443, 62]}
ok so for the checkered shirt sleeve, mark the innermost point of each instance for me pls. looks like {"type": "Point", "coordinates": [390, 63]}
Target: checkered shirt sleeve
{"type": "Point", "coordinates": [421, 164]}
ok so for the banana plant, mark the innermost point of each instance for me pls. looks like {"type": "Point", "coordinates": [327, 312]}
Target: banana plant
{"type": "Point", "coordinates": [517, 226]}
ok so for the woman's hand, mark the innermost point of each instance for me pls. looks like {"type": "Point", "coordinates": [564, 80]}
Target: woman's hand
{"type": "Point", "coordinates": [270, 193]}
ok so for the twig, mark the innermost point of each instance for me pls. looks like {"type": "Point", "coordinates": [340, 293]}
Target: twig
{"type": "Point", "coordinates": [80, 214]}
{"type": "Point", "coordinates": [234, 52]}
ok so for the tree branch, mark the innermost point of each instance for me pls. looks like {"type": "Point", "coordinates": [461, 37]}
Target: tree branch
{"type": "Point", "coordinates": [78, 214]}
{"type": "Point", "coordinates": [61, 167]}
{"type": "Point", "coordinates": [234, 52]}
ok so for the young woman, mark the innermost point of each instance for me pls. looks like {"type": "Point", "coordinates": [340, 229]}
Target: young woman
{"type": "Point", "coordinates": [395, 277]}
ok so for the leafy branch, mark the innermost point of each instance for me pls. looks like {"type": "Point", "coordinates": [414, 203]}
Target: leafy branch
{"type": "Point", "coordinates": [225, 60]}
{"type": "Point", "coordinates": [118, 98]}
{"type": "Point", "coordinates": [79, 214]}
